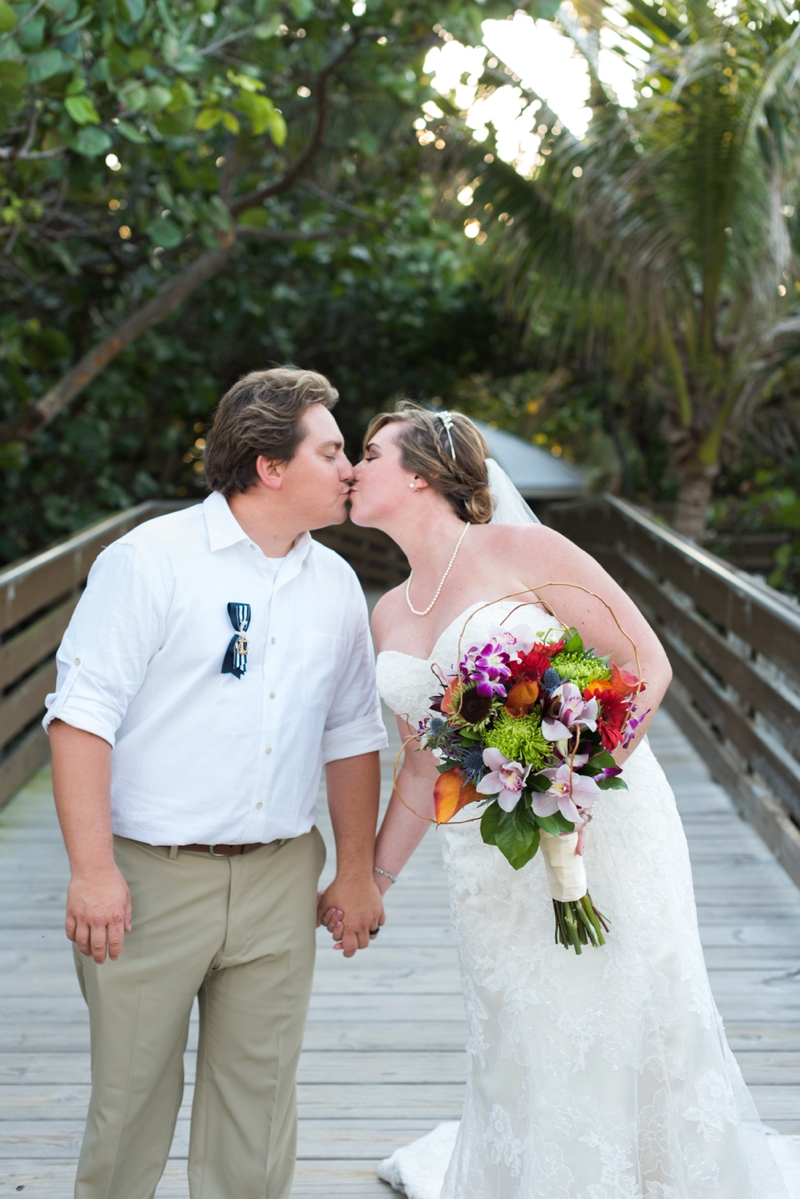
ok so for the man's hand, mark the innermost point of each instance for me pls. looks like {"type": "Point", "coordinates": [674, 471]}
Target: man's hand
{"type": "Point", "coordinates": [98, 913]}
{"type": "Point", "coordinates": [350, 909]}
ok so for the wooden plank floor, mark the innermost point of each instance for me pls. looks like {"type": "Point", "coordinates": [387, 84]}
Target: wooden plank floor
{"type": "Point", "coordinates": [383, 1060]}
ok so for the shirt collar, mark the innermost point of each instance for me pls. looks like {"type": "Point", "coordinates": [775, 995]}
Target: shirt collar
{"type": "Point", "coordinates": [223, 527]}
{"type": "Point", "coordinates": [224, 530]}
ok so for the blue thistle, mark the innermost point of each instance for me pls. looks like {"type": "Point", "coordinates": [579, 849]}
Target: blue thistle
{"type": "Point", "coordinates": [472, 765]}
{"type": "Point", "coordinates": [551, 679]}
{"type": "Point", "coordinates": [436, 726]}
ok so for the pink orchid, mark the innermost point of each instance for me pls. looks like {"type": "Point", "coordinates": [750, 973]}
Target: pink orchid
{"type": "Point", "coordinates": [506, 780]}
{"type": "Point", "coordinates": [574, 712]}
{"type": "Point", "coordinates": [570, 796]}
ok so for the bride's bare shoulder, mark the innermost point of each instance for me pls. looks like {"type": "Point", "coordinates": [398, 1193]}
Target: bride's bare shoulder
{"type": "Point", "coordinates": [383, 614]}
{"type": "Point", "coordinates": [526, 539]}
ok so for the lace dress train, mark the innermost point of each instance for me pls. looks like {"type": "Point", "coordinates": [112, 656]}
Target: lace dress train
{"type": "Point", "coordinates": [604, 1076]}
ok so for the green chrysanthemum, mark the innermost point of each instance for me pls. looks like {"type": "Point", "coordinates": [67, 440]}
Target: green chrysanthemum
{"type": "Point", "coordinates": [520, 739]}
{"type": "Point", "coordinates": [581, 671]}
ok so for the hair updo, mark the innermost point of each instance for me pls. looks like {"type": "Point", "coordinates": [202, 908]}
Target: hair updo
{"type": "Point", "coordinates": [425, 451]}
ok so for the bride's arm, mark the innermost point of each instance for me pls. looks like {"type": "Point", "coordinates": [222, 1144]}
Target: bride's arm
{"type": "Point", "coordinates": [402, 830]}
{"type": "Point", "coordinates": [554, 558]}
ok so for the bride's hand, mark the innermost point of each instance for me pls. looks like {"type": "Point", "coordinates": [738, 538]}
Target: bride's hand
{"type": "Point", "coordinates": [330, 918]}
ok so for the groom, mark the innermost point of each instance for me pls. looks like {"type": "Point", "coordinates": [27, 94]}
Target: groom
{"type": "Point", "coordinates": [218, 658]}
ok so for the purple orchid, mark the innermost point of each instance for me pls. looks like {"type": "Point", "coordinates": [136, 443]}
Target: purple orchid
{"type": "Point", "coordinates": [569, 793]}
{"type": "Point", "coordinates": [506, 781]}
{"type": "Point", "coordinates": [489, 668]}
{"type": "Point", "coordinates": [631, 726]}
{"type": "Point", "coordinates": [573, 712]}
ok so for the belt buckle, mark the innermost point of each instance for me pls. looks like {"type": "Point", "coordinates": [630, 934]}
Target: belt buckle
{"type": "Point", "coordinates": [214, 854]}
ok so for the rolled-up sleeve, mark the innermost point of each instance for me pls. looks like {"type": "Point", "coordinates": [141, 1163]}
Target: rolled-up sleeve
{"type": "Point", "coordinates": [114, 632]}
{"type": "Point", "coordinates": [354, 724]}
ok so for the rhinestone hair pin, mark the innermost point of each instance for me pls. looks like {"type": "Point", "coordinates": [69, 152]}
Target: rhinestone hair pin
{"type": "Point", "coordinates": [447, 421]}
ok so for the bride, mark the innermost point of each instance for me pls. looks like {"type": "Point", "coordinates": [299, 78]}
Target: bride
{"type": "Point", "coordinates": [604, 1076]}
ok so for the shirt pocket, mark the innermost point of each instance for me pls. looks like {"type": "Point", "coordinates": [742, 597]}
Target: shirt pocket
{"type": "Point", "coordinates": [320, 668]}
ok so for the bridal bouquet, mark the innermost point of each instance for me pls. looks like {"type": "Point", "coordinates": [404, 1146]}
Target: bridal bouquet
{"type": "Point", "coordinates": [525, 728]}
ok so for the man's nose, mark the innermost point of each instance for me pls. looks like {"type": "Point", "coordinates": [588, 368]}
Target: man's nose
{"type": "Point", "coordinates": [346, 472]}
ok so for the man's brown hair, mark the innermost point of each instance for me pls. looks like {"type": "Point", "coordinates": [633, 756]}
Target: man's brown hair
{"type": "Point", "coordinates": [261, 414]}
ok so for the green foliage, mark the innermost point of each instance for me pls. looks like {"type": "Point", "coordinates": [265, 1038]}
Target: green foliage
{"type": "Point", "coordinates": [515, 833]}
{"type": "Point", "coordinates": [579, 670]}
{"type": "Point", "coordinates": [520, 738]}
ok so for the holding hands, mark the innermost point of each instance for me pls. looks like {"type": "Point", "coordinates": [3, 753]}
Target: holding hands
{"type": "Point", "coordinates": [352, 911]}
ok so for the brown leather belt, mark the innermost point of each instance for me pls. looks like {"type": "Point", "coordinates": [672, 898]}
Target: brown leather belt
{"type": "Point", "coordinates": [222, 851]}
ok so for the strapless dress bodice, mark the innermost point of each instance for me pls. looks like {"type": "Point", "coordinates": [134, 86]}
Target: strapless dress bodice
{"type": "Point", "coordinates": [406, 683]}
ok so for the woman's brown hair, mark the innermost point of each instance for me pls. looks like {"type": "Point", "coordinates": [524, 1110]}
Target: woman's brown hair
{"type": "Point", "coordinates": [426, 450]}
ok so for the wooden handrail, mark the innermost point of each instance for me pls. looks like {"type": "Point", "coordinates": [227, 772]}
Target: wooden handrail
{"type": "Point", "coordinates": [734, 647]}
{"type": "Point", "coordinates": [37, 598]}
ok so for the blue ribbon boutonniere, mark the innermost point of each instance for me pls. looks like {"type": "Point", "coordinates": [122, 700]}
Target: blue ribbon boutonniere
{"type": "Point", "coordinates": [235, 660]}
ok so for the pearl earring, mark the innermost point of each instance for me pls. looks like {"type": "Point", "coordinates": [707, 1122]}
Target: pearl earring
{"type": "Point", "coordinates": [413, 488]}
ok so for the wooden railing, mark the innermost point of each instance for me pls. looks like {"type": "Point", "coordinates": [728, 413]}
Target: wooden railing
{"type": "Point", "coordinates": [37, 598]}
{"type": "Point", "coordinates": [734, 646]}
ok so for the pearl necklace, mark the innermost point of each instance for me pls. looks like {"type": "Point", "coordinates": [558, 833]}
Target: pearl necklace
{"type": "Point", "coordinates": [442, 582]}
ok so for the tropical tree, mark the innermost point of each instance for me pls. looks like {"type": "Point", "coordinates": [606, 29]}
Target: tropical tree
{"type": "Point", "coordinates": [663, 242]}
{"type": "Point", "coordinates": [146, 143]}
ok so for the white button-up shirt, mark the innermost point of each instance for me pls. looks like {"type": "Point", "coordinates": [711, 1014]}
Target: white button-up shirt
{"type": "Point", "coordinates": [201, 756]}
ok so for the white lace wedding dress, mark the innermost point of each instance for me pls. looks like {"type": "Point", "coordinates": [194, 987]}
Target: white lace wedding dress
{"type": "Point", "coordinates": [604, 1076]}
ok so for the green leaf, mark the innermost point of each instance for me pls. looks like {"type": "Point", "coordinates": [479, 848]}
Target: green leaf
{"type": "Point", "coordinates": [230, 122]}
{"type": "Point", "coordinates": [538, 782]}
{"type": "Point", "coordinates": [207, 118]}
{"type": "Point", "coordinates": [267, 29]}
{"type": "Point", "coordinates": [175, 124]}
{"type": "Point", "coordinates": [555, 825]}
{"type": "Point", "coordinates": [82, 110]}
{"type": "Point", "coordinates": [614, 783]}
{"type": "Point", "coordinates": [575, 643]}
{"type": "Point", "coordinates": [516, 838]}
{"type": "Point", "coordinates": [544, 10]}
{"type": "Point", "coordinates": [132, 10]}
{"type": "Point", "coordinates": [134, 97]}
{"type": "Point", "coordinates": [257, 218]}
{"type": "Point", "coordinates": [92, 142]}
{"type": "Point", "coordinates": [489, 821]}
{"type": "Point", "coordinates": [166, 233]}
{"type": "Point", "coordinates": [598, 762]}
{"type": "Point", "coordinates": [8, 20]}
{"type": "Point", "coordinates": [131, 133]}
{"type": "Point", "coordinates": [157, 99]}
{"type": "Point", "coordinates": [301, 8]}
{"type": "Point", "coordinates": [13, 76]}
{"type": "Point", "coordinates": [45, 64]}
{"type": "Point", "coordinates": [31, 34]}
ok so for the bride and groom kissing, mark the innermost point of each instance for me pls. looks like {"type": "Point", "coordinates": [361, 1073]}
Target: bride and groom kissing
{"type": "Point", "coordinates": [218, 660]}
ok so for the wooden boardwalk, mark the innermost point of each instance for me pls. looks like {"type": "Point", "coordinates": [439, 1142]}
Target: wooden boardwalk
{"type": "Point", "coordinates": [383, 1061]}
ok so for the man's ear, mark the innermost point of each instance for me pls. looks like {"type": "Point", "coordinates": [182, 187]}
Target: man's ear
{"type": "Point", "coordinates": [270, 472]}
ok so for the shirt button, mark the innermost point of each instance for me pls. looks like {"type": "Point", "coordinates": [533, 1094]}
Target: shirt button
{"type": "Point", "coordinates": [259, 805]}
{"type": "Point", "coordinates": [252, 547]}
{"type": "Point", "coordinates": [268, 750]}
{"type": "Point", "coordinates": [272, 694]}
{"type": "Point", "coordinates": [273, 640]}
{"type": "Point", "coordinates": [77, 661]}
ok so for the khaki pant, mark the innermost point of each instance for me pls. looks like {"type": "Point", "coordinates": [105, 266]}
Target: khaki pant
{"type": "Point", "coordinates": [239, 933]}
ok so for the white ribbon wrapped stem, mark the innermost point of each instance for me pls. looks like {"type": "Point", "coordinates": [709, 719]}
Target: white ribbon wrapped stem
{"type": "Point", "coordinates": [566, 873]}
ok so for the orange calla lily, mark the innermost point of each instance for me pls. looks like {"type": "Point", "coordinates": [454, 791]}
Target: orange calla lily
{"type": "Point", "coordinates": [450, 795]}
{"type": "Point", "coordinates": [622, 681]}
{"type": "Point", "coordinates": [522, 697]}
{"type": "Point", "coordinates": [448, 703]}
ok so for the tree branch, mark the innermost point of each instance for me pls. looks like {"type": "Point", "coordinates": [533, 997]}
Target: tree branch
{"type": "Point", "coordinates": [170, 298]}
{"type": "Point", "coordinates": [321, 194]}
{"type": "Point", "coordinates": [312, 149]}
{"type": "Point", "coordinates": [12, 153]}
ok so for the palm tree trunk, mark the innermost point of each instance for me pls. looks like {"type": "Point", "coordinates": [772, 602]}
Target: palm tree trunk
{"type": "Point", "coordinates": [694, 499]}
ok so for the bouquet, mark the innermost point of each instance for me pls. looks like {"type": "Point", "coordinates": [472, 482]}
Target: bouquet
{"type": "Point", "coordinates": [525, 729]}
